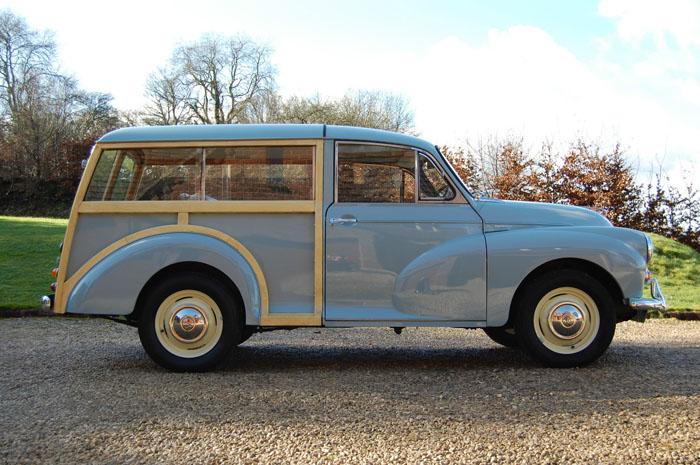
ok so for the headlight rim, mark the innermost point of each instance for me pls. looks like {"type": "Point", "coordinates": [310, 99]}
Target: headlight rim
{"type": "Point", "coordinates": [650, 247]}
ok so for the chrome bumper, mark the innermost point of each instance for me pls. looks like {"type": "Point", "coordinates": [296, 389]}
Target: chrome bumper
{"type": "Point", "coordinates": [643, 305]}
{"type": "Point", "coordinates": [47, 302]}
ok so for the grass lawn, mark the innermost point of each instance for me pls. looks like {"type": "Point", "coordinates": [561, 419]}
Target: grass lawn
{"type": "Point", "coordinates": [28, 251]}
{"type": "Point", "coordinates": [29, 247]}
{"type": "Point", "coordinates": [677, 267]}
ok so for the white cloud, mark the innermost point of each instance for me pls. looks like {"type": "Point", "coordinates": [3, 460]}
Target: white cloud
{"type": "Point", "coordinates": [690, 89]}
{"type": "Point", "coordinates": [665, 73]}
{"type": "Point", "coordinates": [520, 81]}
{"type": "Point", "coordinates": [637, 19]}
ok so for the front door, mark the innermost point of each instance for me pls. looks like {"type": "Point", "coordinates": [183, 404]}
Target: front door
{"type": "Point", "coordinates": [400, 247]}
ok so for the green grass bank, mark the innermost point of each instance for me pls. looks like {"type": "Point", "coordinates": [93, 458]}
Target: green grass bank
{"type": "Point", "coordinates": [28, 251]}
{"type": "Point", "coordinates": [29, 247]}
{"type": "Point", "coordinates": [677, 267]}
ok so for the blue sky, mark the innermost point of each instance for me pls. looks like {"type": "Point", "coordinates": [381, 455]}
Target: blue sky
{"type": "Point", "coordinates": [609, 70]}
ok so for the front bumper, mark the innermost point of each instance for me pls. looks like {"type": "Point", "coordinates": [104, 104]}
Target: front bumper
{"type": "Point", "coordinates": [642, 305]}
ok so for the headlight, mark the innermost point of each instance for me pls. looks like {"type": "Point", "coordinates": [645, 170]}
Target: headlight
{"type": "Point", "coordinates": [650, 247]}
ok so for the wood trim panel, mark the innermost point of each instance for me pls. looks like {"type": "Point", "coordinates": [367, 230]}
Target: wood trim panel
{"type": "Point", "coordinates": [198, 206]}
{"type": "Point", "coordinates": [315, 318]}
{"type": "Point", "coordinates": [291, 319]}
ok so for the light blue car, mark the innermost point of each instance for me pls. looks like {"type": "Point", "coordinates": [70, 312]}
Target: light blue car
{"type": "Point", "coordinates": [203, 235]}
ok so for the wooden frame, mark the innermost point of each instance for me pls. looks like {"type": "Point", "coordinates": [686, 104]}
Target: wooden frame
{"type": "Point", "coordinates": [183, 209]}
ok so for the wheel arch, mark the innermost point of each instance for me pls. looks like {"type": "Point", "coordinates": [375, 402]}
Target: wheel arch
{"type": "Point", "coordinates": [113, 285]}
{"type": "Point", "coordinates": [599, 273]}
{"type": "Point", "coordinates": [182, 267]}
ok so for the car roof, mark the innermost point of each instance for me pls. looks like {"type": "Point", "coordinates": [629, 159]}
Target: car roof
{"type": "Point", "coordinates": [218, 132]}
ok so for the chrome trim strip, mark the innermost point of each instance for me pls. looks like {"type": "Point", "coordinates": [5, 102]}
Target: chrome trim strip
{"type": "Point", "coordinates": [342, 220]}
{"type": "Point", "coordinates": [416, 221]}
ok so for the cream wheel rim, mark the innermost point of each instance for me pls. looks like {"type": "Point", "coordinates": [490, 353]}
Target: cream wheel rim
{"type": "Point", "coordinates": [566, 320]}
{"type": "Point", "coordinates": [188, 323]}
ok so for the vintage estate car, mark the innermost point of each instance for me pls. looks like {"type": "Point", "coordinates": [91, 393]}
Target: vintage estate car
{"type": "Point", "coordinates": [203, 235]}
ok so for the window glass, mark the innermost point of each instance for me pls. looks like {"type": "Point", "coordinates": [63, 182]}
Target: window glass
{"type": "Point", "coordinates": [231, 173]}
{"type": "Point", "coordinates": [112, 176]}
{"type": "Point", "coordinates": [259, 173]}
{"type": "Point", "coordinates": [375, 173]}
{"type": "Point", "coordinates": [169, 174]}
{"type": "Point", "coordinates": [98, 183]}
{"type": "Point", "coordinates": [433, 185]}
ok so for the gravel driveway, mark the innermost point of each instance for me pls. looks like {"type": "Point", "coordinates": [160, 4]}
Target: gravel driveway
{"type": "Point", "coordinates": [83, 391]}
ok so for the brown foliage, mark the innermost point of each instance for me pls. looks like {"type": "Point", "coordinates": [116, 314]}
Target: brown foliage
{"type": "Point", "coordinates": [585, 175]}
{"type": "Point", "coordinates": [605, 181]}
{"type": "Point", "coordinates": [672, 212]}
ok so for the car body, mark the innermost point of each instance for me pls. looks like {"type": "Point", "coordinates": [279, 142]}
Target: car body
{"type": "Point", "coordinates": [203, 235]}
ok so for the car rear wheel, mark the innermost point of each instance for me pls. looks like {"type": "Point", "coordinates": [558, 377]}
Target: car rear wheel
{"type": "Point", "coordinates": [565, 318]}
{"type": "Point", "coordinates": [190, 322]}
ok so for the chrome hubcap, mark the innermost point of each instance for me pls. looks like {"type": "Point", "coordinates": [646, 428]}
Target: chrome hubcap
{"type": "Point", "coordinates": [567, 320]}
{"type": "Point", "coordinates": [188, 324]}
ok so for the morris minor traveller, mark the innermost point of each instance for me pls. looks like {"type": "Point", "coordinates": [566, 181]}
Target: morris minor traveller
{"type": "Point", "coordinates": [201, 236]}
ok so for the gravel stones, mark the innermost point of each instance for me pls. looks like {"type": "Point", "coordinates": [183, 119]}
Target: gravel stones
{"type": "Point", "coordinates": [84, 391]}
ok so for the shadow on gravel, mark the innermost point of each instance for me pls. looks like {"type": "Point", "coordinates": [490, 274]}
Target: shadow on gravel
{"type": "Point", "coordinates": [291, 358]}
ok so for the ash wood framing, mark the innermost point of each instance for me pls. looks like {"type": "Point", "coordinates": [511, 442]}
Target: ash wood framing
{"type": "Point", "coordinates": [198, 206]}
{"type": "Point", "coordinates": [183, 209]}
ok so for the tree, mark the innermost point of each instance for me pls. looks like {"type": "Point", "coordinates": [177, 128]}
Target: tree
{"type": "Point", "coordinates": [47, 123]}
{"type": "Point", "coordinates": [499, 168]}
{"type": "Point", "coordinates": [671, 210]}
{"type": "Point", "coordinates": [585, 175]}
{"type": "Point", "coordinates": [212, 81]}
{"type": "Point", "coordinates": [375, 109]}
{"type": "Point", "coordinates": [364, 108]}
{"type": "Point", "coordinates": [26, 61]}
{"type": "Point", "coordinates": [588, 177]}
{"type": "Point", "coordinates": [170, 97]}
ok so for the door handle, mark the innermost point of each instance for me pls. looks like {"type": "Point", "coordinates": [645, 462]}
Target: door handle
{"type": "Point", "coordinates": [342, 220]}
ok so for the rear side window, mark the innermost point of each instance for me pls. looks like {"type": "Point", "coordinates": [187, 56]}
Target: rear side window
{"type": "Point", "coordinates": [204, 173]}
{"type": "Point", "coordinates": [112, 176]}
{"type": "Point", "coordinates": [259, 173]}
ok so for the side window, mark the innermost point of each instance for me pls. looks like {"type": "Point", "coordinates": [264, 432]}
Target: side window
{"type": "Point", "coordinates": [375, 173]}
{"type": "Point", "coordinates": [433, 185]}
{"type": "Point", "coordinates": [259, 173]}
{"type": "Point", "coordinates": [170, 174]}
{"type": "Point", "coordinates": [112, 177]}
{"type": "Point", "coordinates": [204, 173]}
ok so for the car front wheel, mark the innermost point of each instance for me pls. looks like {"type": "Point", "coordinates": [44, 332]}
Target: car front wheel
{"type": "Point", "coordinates": [565, 318]}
